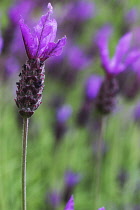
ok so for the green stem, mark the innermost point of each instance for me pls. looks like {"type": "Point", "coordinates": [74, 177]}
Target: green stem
{"type": "Point", "coordinates": [24, 157]}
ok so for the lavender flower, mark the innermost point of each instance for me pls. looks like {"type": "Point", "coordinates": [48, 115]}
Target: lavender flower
{"type": "Point", "coordinates": [70, 204]}
{"type": "Point", "coordinates": [1, 43]}
{"type": "Point", "coordinates": [40, 43]}
{"type": "Point", "coordinates": [101, 208]}
{"type": "Point", "coordinates": [123, 56]}
{"type": "Point", "coordinates": [39, 46]}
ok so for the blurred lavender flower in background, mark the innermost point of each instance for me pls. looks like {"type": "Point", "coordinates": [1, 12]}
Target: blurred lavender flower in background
{"type": "Point", "coordinates": [70, 204]}
{"type": "Point", "coordinates": [131, 16]}
{"type": "Point", "coordinates": [101, 208]}
{"type": "Point", "coordinates": [92, 87]}
{"type": "Point", "coordinates": [71, 179]}
{"type": "Point", "coordinates": [136, 113]}
{"type": "Point", "coordinates": [54, 199]}
{"type": "Point", "coordinates": [123, 56]}
{"type": "Point", "coordinates": [63, 113]}
{"type": "Point", "coordinates": [80, 10]}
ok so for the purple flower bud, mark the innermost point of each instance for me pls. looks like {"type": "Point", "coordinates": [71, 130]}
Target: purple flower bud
{"type": "Point", "coordinates": [63, 113]}
{"type": "Point", "coordinates": [70, 204]}
{"type": "Point", "coordinates": [93, 85]}
{"type": "Point", "coordinates": [40, 43]}
{"type": "Point", "coordinates": [71, 178]}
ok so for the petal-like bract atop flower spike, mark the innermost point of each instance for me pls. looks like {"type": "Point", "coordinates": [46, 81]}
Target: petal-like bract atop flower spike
{"type": "Point", "coordinates": [123, 56]}
{"type": "Point", "coordinates": [40, 42]}
{"type": "Point", "coordinates": [70, 204]}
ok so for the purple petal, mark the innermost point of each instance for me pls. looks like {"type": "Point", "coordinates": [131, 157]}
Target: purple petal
{"type": "Point", "coordinates": [132, 57]}
{"type": "Point", "coordinates": [70, 204]}
{"type": "Point", "coordinates": [45, 31]}
{"type": "Point", "coordinates": [122, 47]}
{"type": "Point", "coordinates": [27, 38]}
{"type": "Point", "coordinates": [102, 43]}
{"type": "Point", "coordinates": [54, 49]}
{"type": "Point", "coordinates": [93, 85]}
{"type": "Point", "coordinates": [101, 208]}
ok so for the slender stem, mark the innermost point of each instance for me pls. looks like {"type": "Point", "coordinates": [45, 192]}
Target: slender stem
{"type": "Point", "coordinates": [24, 157]}
{"type": "Point", "coordinates": [99, 160]}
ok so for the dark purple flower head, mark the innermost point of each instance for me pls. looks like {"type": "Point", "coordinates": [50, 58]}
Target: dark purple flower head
{"type": "Point", "coordinates": [93, 85]}
{"type": "Point", "coordinates": [63, 113]}
{"type": "Point", "coordinates": [70, 204]}
{"type": "Point", "coordinates": [71, 178]}
{"type": "Point", "coordinates": [123, 55]}
{"type": "Point", "coordinates": [40, 42]}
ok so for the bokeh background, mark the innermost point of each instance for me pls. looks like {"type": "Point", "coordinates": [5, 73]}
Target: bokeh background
{"type": "Point", "coordinates": [64, 156]}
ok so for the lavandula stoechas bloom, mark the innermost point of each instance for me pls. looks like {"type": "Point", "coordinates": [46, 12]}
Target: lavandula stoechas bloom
{"type": "Point", "coordinates": [123, 57]}
{"type": "Point", "coordinates": [53, 199]}
{"type": "Point", "coordinates": [92, 88]}
{"type": "Point", "coordinates": [63, 113]}
{"type": "Point", "coordinates": [39, 45]}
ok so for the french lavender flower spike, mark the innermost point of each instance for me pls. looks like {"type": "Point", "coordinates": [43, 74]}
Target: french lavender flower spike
{"type": "Point", "coordinates": [70, 204]}
{"type": "Point", "coordinates": [39, 45]}
{"type": "Point", "coordinates": [101, 208]}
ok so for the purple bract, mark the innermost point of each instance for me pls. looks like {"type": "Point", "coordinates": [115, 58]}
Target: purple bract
{"type": "Point", "coordinates": [93, 85]}
{"type": "Point", "coordinates": [70, 204]}
{"type": "Point", "coordinates": [40, 42]}
{"type": "Point", "coordinates": [123, 56]}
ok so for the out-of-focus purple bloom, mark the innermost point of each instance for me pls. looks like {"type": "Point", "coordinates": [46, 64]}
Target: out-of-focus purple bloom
{"type": "Point", "coordinates": [40, 43]}
{"type": "Point", "coordinates": [71, 178]}
{"type": "Point", "coordinates": [80, 10]}
{"type": "Point", "coordinates": [93, 85]}
{"type": "Point", "coordinates": [131, 16]}
{"type": "Point", "coordinates": [101, 208]}
{"type": "Point", "coordinates": [137, 113]}
{"type": "Point", "coordinates": [12, 65]}
{"type": "Point", "coordinates": [77, 58]}
{"type": "Point", "coordinates": [1, 43]}
{"type": "Point", "coordinates": [54, 199]}
{"type": "Point", "coordinates": [63, 113]}
{"type": "Point", "coordinates": [20, 8]}
{"type": "Point", "coordinates": [70, 204]}
{"type": "Point", "coordinates": [123, 55]}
